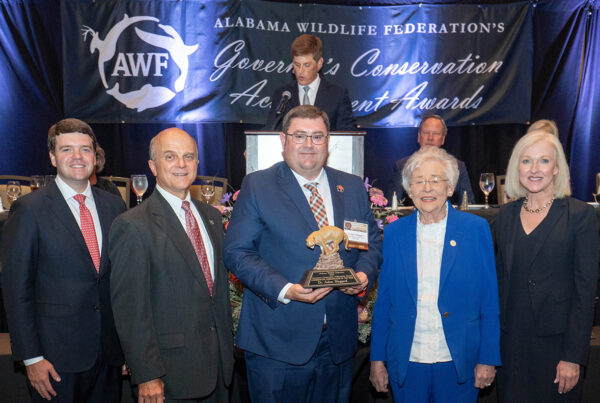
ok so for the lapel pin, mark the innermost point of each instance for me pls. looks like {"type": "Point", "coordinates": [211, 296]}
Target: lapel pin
{"type": "Point", "coordinates": [340, 188]}
{"type": "Point", "coordinates": [213, 223]}
{"type": "Point", "coordinates": [453, 242]}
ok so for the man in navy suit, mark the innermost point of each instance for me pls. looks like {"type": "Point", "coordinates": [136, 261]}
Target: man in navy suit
{"type": "Point", "coordinates": [299, 342]}
{"type": "Point", "coordinates": [311, 89]}
{"type": "Point", "coordinates": [432, 132]}
{"type": "Point", "coordinates": [56, 277]}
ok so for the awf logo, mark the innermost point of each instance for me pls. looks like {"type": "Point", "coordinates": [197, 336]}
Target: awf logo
{"type": "Point", "coordinates": [147, 63]}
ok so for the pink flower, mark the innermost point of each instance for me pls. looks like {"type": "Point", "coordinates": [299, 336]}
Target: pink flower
{"type": "Point", "coordinates": [379, 200]}
{"type": "Point", "coordinates": [375, 191]}
{"type": "Point", "coordinates": [235, 195]}
{"type": "Point", "coordinates": [391, 218]}
{"type": "Point", "coordinates": [221, 209]}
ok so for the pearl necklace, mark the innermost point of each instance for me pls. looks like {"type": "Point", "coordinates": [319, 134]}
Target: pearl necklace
{"type": "Point", "coordinates": [537, 210]}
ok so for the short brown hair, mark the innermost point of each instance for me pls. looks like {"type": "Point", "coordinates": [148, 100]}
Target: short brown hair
{"type": "Point", "coordinates": [69, 125]}
{"type": "Point", "coordinates": [304, 112]}
{"type": "Point", "coordinates": [438, 117]}
{"type": "Point", "coordinates": [307, 45]}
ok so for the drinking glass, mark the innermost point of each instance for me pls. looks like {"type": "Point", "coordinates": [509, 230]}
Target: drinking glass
{"type": "Point", "coordinates": [36, 182]}
{"type": "Point", "coordinates": [13, 190]}
{"type": "Point", "coordinates": [139, 184]}
{"type": "Point", "coordinates": [486, 183]}
{"type": "Point", "coordinates": [207, 188]}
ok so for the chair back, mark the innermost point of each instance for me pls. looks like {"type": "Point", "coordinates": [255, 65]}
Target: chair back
{"type": "Point", "coordinates": [124, 186]}
{"type": "Point", "coordinates": [502, 198]}
{"type": "Point", "coordinates": [23, 180]}
{"type": "Point", "coordinates": [220, 185]}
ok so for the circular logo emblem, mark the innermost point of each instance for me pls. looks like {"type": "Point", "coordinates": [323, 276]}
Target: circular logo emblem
{"type": "Point", "coordinates": [141, 78]}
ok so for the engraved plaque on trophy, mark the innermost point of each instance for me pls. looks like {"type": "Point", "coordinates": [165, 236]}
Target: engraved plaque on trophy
{"type": "Point", "coordinates": [329, 270]}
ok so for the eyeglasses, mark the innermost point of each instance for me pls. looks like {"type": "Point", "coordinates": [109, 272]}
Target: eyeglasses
{"type": "Point", "coordinates": [428, 133]}
{"type": "Point", "coordinates": [433, 181]}
{"type": "Point", "coordinates": [300, 138]}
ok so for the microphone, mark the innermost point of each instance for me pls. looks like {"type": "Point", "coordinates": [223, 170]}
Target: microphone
{"type": "Point", "coordinates": [285, 97]}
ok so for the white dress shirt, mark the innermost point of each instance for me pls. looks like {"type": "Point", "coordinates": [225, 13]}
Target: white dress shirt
{"type": "Point", "coordinates": [176, 204]}
{"type": "Point", "coordinates": [429, 342]}
{"type": "Point", "coordinates": [325, 192]}
{"type": "Point", "coordinates": [68, 193]}
{"type": "Point", "coordinates": [312, 92]}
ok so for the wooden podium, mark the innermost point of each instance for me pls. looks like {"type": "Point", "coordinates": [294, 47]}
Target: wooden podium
{"type": "Point", "coordinates": [346, 150]}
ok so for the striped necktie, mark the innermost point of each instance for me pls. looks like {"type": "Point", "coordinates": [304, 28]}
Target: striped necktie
{"type": "Point", "coordinates": [316, 204]}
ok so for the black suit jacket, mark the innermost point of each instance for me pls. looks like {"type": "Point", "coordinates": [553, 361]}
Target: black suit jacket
{"type": "Point", "coordinates": [57, 304]}
{"type": "Point", "coordinates": [331, 98]}
{"type": "Point", "coordinates": [169, 325]}
{"type": "Point", "coordinates": [563, 271]}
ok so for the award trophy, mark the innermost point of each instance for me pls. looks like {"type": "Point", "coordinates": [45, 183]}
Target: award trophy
{"type": "Point", "coordinates": [329, 270]}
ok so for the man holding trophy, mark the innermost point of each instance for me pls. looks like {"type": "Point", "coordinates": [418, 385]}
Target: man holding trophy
{"type": "Point", "coordinates": [299, 342]}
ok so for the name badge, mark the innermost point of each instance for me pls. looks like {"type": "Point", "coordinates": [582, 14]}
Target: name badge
{"type": "Point", "coordinates": [358, 234]}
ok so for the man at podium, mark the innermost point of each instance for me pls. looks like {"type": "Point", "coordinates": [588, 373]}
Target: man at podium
{"type": "Point", "coordinates": [310, 88]}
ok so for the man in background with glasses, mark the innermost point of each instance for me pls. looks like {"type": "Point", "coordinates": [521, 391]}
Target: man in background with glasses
{"type": "Point", "coordinates": [299, 342]}
{"type": "Point", "coordinates": [56, 277]}
{"type": "Point", "coordinates": [432, 132]}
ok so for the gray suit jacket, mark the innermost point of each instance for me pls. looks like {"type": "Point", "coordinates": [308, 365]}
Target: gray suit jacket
{"type": "Point", "coordinates": [169, 325]}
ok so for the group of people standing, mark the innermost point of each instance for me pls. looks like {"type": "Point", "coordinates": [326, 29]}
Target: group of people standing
{"type": "Point", "coordinates": [449, 310]}
{"type": "Point", "coordinates": [89, 285]}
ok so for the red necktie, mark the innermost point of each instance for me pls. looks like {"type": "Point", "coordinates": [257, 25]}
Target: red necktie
{"type": "Point", "coordinates": [193, 232]}
{"type": "Point", "coordinates": [88, 230]}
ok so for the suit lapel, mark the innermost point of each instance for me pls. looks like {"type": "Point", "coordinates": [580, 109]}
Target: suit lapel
{"type": "Point", "coordinates": [103, 216]}
{"type": "Point", "coordinates": [514, 220]}
{"type": "Point", "coordinates": [166, 219]}
{"type": "Point", "coordinates": [295, 98]}
{"type": "Point", "coordinates": [550, 221]}
{"type": "Point", "coordinates": [58, 206]}
{"type": "Point", "coordinates": [452, 241]}
{"type": "Point", "coordinates": [320, 101]}
{"type": "Point", "coordinates": [337, 199]}
{"type": "Point", "coordinates": [289, 185]}
{"type": "Point", "coordinates": [408, 245]}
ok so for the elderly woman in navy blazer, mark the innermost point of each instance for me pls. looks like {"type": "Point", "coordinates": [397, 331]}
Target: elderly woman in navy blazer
{"type": "Point", "coordinates": [435, 333]}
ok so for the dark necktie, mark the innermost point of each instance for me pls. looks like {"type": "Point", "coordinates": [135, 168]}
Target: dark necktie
{"type": "Point", "coordinates": [193, 232]}
{"type": "Point", "coordinates": [88, 230]}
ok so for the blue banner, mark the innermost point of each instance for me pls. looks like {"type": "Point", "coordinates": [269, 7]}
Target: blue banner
{"type": "Point", "coordinates": [194, 61]}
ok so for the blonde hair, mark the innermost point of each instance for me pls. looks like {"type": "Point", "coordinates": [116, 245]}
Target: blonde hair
{"type": "Point", "coordinates": [545, 125]}
{"type": "Point", "coordinates": [430, 153]}
{"type": "Point", "coordinates": [560, 183]}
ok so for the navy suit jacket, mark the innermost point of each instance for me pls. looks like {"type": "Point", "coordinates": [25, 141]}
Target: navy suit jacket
{"type": "Point", "coordinates": [467, 299]}
{"type": "Point", "coordinates": [266, 248]}
{"type": "Point", "coordinates": [57, 304]}
{"type": "Point", "coordinates": [463, 183]}
{"type": "Point", "coordinates": [170, 326]}
{"type": "Point", "coordinates": [563, 270]}
{"type": "Point", "coordinates": [330, 98]}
